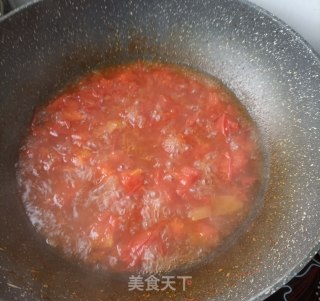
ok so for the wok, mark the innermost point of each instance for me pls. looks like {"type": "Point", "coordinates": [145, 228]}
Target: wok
{"type": "Point", "coordinates": [274, 73]}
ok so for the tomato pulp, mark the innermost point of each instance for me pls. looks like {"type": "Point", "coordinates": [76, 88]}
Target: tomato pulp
{"type": "Point", "coordinates": [142, 167]}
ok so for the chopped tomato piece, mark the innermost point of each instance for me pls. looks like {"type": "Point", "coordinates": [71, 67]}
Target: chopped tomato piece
{"type": "Point", "coordinates": [132, 180]}
{"type": "Point", "coordinates": [188, 176]}
{"type": "Point", "coordinates": [178, 228]}
{"type": "Point", "coordinates": [192, 119]}
{"type": "Point", "coordinates": [248, 180]}
{"type": "Point", "coordinates": [239, 160]}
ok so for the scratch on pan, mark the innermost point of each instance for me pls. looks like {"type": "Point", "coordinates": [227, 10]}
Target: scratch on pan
{"type": "Point", "coordinates": [13, 286]}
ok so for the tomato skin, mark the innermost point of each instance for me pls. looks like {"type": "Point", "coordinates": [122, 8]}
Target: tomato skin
{"type": "Point", "coordinates": [139, 243]}
{"type": "Point", "coordinates": [227, 125]}
{"type": "Point", "coordinates": [135, 249]}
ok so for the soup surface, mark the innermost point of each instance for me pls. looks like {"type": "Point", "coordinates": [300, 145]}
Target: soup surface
{"type": "Point", "coordinates": [143, 167]}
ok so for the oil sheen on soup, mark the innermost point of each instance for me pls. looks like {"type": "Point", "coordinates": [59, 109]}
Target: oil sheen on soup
{"type": "Point", "coordinates": [144, 167]}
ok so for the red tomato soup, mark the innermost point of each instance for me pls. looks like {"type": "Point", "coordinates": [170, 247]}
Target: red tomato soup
{"type": "Point", "coordinates": [144, 167]}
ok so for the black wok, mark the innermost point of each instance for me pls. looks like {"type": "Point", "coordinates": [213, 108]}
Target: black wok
{"type": "Point", "coordinates": [270, 68]}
